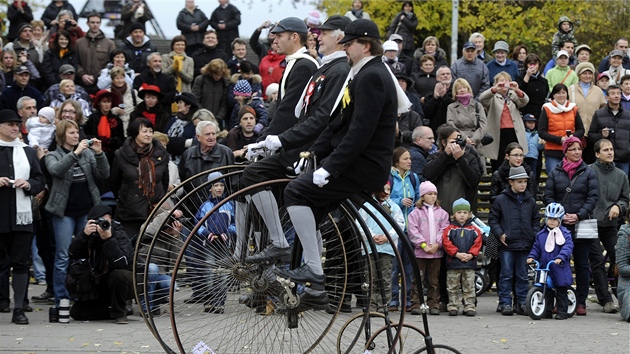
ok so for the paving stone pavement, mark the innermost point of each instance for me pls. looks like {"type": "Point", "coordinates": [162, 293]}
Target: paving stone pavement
{"type": "Point", "coordinates": [488, 332]}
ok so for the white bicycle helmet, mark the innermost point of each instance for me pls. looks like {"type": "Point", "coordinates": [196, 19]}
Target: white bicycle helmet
{"type": "Point", "coordinates": [554, 210]}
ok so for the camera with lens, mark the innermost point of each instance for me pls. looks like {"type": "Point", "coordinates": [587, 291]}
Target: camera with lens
{"type": "Point", "coordinates": [611, 130]}
{"type": "Point", "coordinates": [460, 141]}
{"type": "Point", "coordinates": [90, 142]}
{"type": "Point", "coordinates": [103, 223]}
{"type": "Point", "coordinates": [68, 23]}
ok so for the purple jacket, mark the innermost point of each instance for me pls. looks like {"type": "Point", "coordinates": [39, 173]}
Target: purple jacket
{"type": "Point", "coordinates": [561, 274]}
{"type": "Point", "coordinates": [418, 229]}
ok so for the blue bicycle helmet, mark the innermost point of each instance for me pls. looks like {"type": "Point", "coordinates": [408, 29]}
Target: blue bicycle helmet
{"type": "Point", "coordinates": [554, 210]}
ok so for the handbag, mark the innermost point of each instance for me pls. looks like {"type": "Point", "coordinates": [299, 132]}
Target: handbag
{"type": "Point", "coordinates": [487, 138]}
{"type": "Point", "coordinates": [585, 229]}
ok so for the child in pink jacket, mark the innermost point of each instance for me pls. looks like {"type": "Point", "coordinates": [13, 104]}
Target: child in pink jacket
{"type": "Point", "coordinates": [425, 226]}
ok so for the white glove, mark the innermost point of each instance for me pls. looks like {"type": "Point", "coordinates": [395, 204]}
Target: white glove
{"type": "Point", "coordinates": [273, 142]}
{"type": "Point", "coordinates": [320, 177]}
{"type": "Point", "coordinates": [254, 150]}
{"type": "Point", "coordinates": [300, 165]}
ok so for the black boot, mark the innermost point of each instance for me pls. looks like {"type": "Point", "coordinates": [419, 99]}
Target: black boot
{"type": "Point", "coordinates": [19, 317]}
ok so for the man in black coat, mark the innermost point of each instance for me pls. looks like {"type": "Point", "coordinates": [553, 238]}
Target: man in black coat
{"type": "Point", "coordinates": [355, 150]}
{"type": "Point", "coordinates": [422, 143]}
{"type": "Point", "coordinates": [137, 47]}
{"type": "Point", "coordinates": [435, 105]}
{"type": "Point", "coordinates": [209, 52]}
{"type": "Point", "coordinates": [20, 88]}
{"type": "Point", "coordinates": [153, 75]}
{"type": "Point", "coordinates": [225, 20]}
{"type": "Point", "coordinates": [319, 105]}
{"type": "Point", "coordinates": [110, 254]}
{"type": "Point", "coordinates": [291, 35]}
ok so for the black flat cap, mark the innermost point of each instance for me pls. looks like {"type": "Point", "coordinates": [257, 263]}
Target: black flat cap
{"type": "Point", "coordinates": [360, 28]}
{"type": "Point", "coordinates": [290, 24]}
{"type": "Point", "coordinates": [335, 23]}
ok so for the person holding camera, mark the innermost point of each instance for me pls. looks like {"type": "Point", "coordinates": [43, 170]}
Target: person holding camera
{"type": "Point", "coordinates": [502, 102]}
{"type": "Point", "coordinates": [66, 21]}
{"type": "Point", "coordinates": [104, 243]}
{"type": "Point", "coordinates": [75, 167]}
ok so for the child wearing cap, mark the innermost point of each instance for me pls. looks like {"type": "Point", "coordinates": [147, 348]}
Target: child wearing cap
{"type": "Point", "coordinates": [381, 297]}
{"type": "Point", "coordinates": [426, 224]}
{"type": "Point", "coordinates": [603, 81]}
{"type": "Point", "coordinates": [213, 242]}
{"type": "Point", "coordinates": [41, 129]}
{"type": "Point", "coordinates": [564, 33]}
{"type": "Point", "coordinates": [554, 243]}
{"type": "Point", "coordinates": [514, 220]}
{"type": "Point", "coordinates": [462, 243]}
{"type": "Point", "coordinates": [534, 143]}
{"type": "Point", "coordinates": [243, 96]}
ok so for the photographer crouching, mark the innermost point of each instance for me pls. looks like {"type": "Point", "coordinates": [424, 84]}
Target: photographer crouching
{"type": "Point", "coordinates": [109, 252]}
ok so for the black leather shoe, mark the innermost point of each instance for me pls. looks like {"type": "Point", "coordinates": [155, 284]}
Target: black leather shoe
{"type": "Point", "coordinates": [5, 308]}
{"type": "Point", "coordinates": [28, 308]}
{"type": "Point", "coordinates": [313, 299]}
{"type": "Point", "coordinates": [271, 253]}
{"type": "Point", "coordinates": [302, 274]}
{"type": "Point", "coordinates": [43, 297]}
{"type": "Point", "coordinates": [129, 310]}
{"type": "Point", "coordinates": [19, 317]}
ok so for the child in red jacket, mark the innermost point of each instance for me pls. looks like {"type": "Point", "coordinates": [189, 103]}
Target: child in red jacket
{"type": "Point", "coordinates": [461, 242]}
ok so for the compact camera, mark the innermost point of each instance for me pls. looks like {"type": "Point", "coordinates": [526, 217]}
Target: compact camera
{"type": "Point", "coordinates": [460, 141]}
{"type": "Point", "coordinates": [90, 142]}
{"type": "Point", "coordinates": [68, 23]}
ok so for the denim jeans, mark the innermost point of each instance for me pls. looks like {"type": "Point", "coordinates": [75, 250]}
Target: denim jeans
{"type": "Point", "coordinates": [64, 228]}
{"type": "Point", "coordinates": [513, 266]}
{"type": "Point", "coordinates": [39, 272]}
{"type": "Point", "coordinates": [551, 162]}
{"type": "Point", "coordinates": [582, 270]}
{"type": "Point", "coordinates": [158, 287]}
{"type": "Point", "coordinates": [408, 270]}
{"type": "Point", "coordinates": [623, 166]}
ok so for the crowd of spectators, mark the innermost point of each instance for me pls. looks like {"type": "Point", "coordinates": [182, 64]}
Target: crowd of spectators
{"type": "Point", "coordinates": [207, 102]}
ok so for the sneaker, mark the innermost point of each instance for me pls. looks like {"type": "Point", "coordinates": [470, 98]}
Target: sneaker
{"type": "Point", "coordinates": [581, 310]}
{"type": "Point", "coordinates": [417, 311]}
{"type": "Point", "coordinates": [122, 320]}
{"type": "Point", "coordinates": [610, 307]}
{"type": "Point", "coordinates": [18, 317]}
{"type": "Point", "coordinates": [453, 312]}
{"type": "Point", "coordinates": [302, 274]}
{"type": "Point", "coordinates": [434, 312]}
{"type": "Point", "coordinates": [470, 313]}
{"type": "Point", "coordinates": [43, 297]}
{"type": "Point", "coordinates": [507, 310]}
{"type": "Point", "coordinates": [269, 254]}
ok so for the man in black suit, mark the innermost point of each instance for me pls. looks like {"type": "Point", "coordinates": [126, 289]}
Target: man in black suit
{"type": "Point", "coordinates": [355, 150]}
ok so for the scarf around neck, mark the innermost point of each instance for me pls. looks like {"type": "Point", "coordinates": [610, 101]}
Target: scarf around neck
{"type": "Point", "coordinates": [558, 108]}
{"type": "Point", "coordinates": [570, 167]}
{"type": "Point", "coordinates": [146, 169]}
{"type": "Point", "coordinates": [555, 237]}
{"type": "Point", "coordinates": [21, 170]}
{"type": "Point", "coordinates": [302, 53]}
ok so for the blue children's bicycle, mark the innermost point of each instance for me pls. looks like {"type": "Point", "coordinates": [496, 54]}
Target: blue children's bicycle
{"type": "Point", "coordinates": [535, 302]}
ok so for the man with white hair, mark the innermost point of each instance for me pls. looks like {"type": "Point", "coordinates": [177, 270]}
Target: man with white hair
{"type": "Point", "coordinates": [153, 75]}
{"type": "Point", "coordinates": [479, 40]}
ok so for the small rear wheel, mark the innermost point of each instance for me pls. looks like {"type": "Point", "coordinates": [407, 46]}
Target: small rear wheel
{"type": "Point", "coordinates": [572, 297]}
{"type": "Point", "coordinates": [535, 303]}
{"type": "Point", "coordinates": [439, 348]}
{"type": "Point", "coordinates": [481, 283]}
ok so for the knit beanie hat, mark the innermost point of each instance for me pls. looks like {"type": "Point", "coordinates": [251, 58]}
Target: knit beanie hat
{"type": "Point", "coordinates": [313, 18]}
{"type": "Point", "coordinates": [518, 173]}
{"type": "Point", "coordinates": [461, 204]}
{"type": "Point", "coordinates": [99, 210]}
{"type": "Point", "coordinates": [48, 113]}
{"type": "Point", "coordinates": [427, 187]}
{"type": "Point", "coordinates": [137, 26]}
{"type": "Point", "coordinates": [242, 88]}
{"type": "Point", "coordinates": [216, 176]}
{"type": "Point", "coordinates": [271, 89]}
{"type": "Point", "coordinates": [568, 142]}
{"type": "Point", "coordinates": [244, 110]}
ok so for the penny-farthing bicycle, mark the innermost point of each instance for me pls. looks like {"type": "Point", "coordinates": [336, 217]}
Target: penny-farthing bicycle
{"type": "Point", "coordinates": [245, 308]}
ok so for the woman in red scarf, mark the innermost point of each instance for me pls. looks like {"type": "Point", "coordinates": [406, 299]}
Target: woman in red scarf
{"type": "Point", "coordinates": [104, 125]}
{"type": "Point", "coordinates": [151, 108]}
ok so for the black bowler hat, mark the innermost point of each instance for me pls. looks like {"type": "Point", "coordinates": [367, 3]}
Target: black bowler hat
{"type": "Point", "coordinates": [188, 98]}
{"type": "Point", "coordinates": [360, 28]}
{"type": "Point", "coordinates": [290, 24]}
{"type": "Point", "coordinates": [8, 115]}
{"type": "Point", "coordinates": [335, 23]}
{"type": "Point", "coordinates": [401, 76]}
